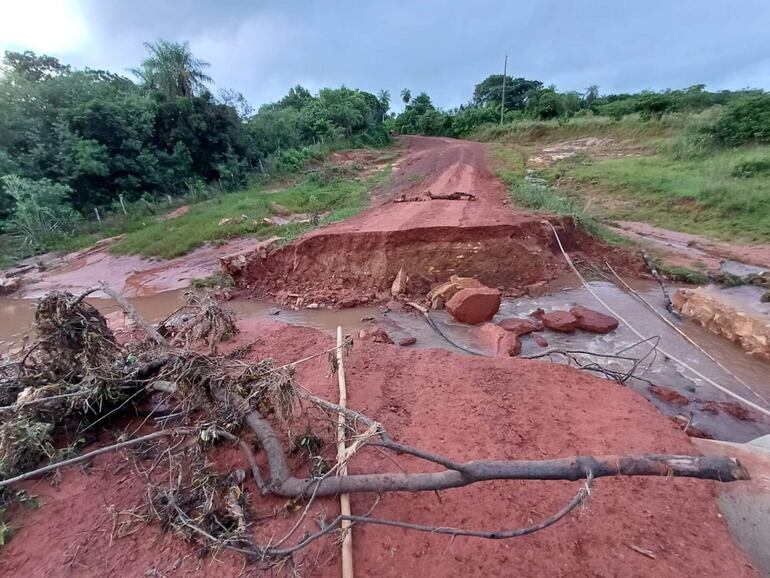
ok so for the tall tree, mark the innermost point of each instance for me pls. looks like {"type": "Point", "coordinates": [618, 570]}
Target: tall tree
{"type": "Point", "coordinates": [591, 94]}
{"type": "Point", "coordinates": [406, 95]}
{"type": "Point", "coordinates": [172, 69]}
{"type": "Point", "coordinates": [517, 91]}
{"type": "Point", "coordinates": [384, 97]}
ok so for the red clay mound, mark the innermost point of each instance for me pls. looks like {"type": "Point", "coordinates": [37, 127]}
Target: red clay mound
{"type": "Point", "coordinates": [464, 407]}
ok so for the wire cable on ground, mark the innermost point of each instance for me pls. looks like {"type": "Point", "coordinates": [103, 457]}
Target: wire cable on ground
{"type": "Point", "coordinates": [684, 364]}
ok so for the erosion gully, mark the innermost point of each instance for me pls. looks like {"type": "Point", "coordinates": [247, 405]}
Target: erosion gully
{"type": "Point", "coordinates": [16, 317]}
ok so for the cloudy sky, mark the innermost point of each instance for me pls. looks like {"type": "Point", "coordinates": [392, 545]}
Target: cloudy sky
{"type": "Point", "coordinates": [262, 47]}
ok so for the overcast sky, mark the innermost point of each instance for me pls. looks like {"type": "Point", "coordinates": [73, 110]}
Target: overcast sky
{"type": "Point", "coordinates": [262, 48]}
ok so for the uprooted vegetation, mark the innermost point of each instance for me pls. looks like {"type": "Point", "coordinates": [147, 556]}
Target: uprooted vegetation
{"type": "Point", "coordinates": [76, 382]}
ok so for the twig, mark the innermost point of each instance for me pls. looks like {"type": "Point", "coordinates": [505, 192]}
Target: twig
{"type": "Point", "coordinates": [93, 454]}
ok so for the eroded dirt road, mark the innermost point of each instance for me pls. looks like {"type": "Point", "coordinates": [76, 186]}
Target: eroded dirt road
{"type": "Point", "coordinates": [430, 239]}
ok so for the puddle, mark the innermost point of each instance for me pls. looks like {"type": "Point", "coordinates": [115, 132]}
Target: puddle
{"type": "Point", "coordinates": [740, 269]}
{"type": "Point", "coordinates": [16, 316]}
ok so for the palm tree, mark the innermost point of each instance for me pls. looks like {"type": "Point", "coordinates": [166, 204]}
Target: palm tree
{"type": "Point", "coordinates": [384, 97]}
{"type": "Point", "coordinates": [406, 95]}
{"type": "Point", "coordinates": [172, 69]}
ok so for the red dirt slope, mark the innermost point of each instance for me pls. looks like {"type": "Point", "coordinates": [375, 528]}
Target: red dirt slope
{"type": "Point", "coordinates": [464, 407]}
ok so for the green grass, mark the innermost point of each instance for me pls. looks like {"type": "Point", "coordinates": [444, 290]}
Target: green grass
{"type": "Point", "coordinates": [339, 198]}
{"type": "Point", "coordinates": [684, 183]}
{"type": "Point", "coordinates": [510, 165]}
{"type": "Point", "coordinates": [723, 194]}
{"type": "Point", "coordinates": [540, 132]}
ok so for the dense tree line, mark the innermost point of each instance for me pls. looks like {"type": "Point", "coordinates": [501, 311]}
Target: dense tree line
{"type": "Point", "coordinates": [72, 140]}
{"type": "Point", "coordinates": [530, 99]}
{"type": "Point", "coordinates": [75, 140]}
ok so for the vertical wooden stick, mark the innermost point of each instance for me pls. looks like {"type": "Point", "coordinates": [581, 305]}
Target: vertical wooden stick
{"type": "Point", "coordinates": [347, 540]}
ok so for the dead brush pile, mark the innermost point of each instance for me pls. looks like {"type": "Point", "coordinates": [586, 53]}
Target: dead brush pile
{"type": "Point", "coordinates": [68, 386]}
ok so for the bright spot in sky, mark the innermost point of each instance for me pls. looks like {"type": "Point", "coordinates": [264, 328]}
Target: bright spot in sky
{"type": "Point", "coordinates": [41, 25]}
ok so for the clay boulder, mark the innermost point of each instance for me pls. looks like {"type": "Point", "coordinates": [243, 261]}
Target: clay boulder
{"type": "Point", "coordinates": [474, 305]}
{"type": "Point", "coordinates": [593, 321]}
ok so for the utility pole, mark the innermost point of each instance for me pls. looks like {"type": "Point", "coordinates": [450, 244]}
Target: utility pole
{"type": "Point", "coordinates": [502, 100]}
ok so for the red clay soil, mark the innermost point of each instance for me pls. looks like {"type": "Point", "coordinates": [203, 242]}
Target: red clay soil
{"type": "Point", "coordinates": [464, 407]}
{"type": "Point", "coordinates": [430, 239]}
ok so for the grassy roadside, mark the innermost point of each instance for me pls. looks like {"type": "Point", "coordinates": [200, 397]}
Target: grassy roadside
{"type": "Point", "coordinates": [509, 163]}
{"type": "Point", "coordinates": [336, 198]}
{"type": "Point", "coordinates": [722, 193]}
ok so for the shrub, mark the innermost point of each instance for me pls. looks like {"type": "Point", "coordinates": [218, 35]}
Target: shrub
{"type": "Point", "coordinates": [41, 213]}
{"type": "Point", "coordinates": [745, 120]}
{"type": "Point", "coordinates": [750, 168]}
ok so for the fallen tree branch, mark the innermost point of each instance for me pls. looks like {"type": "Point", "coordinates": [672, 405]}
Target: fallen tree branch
{"type": "Point", "coordinates": [456, 196]}
{"type": "Point", "coordinates": [576, 501]}
{"type": "Point", "coordinates": [133, 314]}
{"type": "Point", "coordinates": [97, 452]}
{"type": "Point", "coordinates": [282, 483]}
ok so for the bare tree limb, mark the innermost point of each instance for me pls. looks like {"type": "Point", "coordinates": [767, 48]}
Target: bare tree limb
{"type": "Point", "coordinates": [133, 314]}
{"type": "Point", "coordinates": [282, 483]}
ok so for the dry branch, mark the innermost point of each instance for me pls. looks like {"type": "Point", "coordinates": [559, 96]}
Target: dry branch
{"type": "Point", "coordinates": [97, 452]}
{"type": "Point", "coordinates": [456, 196]}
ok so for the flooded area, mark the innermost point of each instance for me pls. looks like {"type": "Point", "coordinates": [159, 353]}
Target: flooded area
{"type": "Point", "coordinates": [656, 369]}
{"type": "Point", "coordinates": [16, 316]}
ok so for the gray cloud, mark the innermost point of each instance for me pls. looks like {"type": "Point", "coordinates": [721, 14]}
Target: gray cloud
{"type": "Point", "coordinates": [444, 48]}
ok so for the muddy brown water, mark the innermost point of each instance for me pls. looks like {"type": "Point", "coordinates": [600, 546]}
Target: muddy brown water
{"type": "Point", "coordinates": [16, 316]}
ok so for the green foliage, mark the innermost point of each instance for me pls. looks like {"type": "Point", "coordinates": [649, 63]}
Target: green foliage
{"type": "Point", "coordinates": [745, 120]}
{"type": "Point", "coordinates": [218, 280]}
{"type": "Point", "coordinates": [104, 138]}
{"type": "Point", "coordinates": [546, 105]}
{"type": "Point", "coordinates": [546, 199]}
{"type": "Point", "coordinates": [716, 193]}
{"type": "Point", "coordinates": [337, 197]}
{"type": "Point", "coordinates": [752, 167]}
{"type": "Point", "coordinates": [41, 214]}
{"type": "Point", "coordinates": [680, 274]}
{"type": "Point", "coordinates": [421, 117]}
{"type": "Point", "coordinates": [517, 91]}
{"type": "Point", "coordinates": [172, 70]}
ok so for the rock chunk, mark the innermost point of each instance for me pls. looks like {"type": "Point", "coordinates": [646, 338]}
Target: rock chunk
{"type": "Point", "coordinates": [399, 283]}
{"type": "Point", "coordinates": [474, 305]}
{"type": "Point", "coordinates": [439, 295]}
{"type": "Point", "coordinates": [593, 321]}
{"type": "Point", "coordinates": [497, 340]}
{"type": "Point", "coordinates": [519, 326]}
{"type": "Point", "coordinates": [407, 341]}
{"type": "Point", "coordinates": [540, 340]}
{"type": "Point", "coordinates": [9, 285]}
{"type": "Point", "coordinates": [562, 321]}
{"type": "Point", "coordinates": [375, 334]}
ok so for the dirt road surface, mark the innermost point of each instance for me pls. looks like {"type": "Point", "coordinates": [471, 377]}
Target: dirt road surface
{"type": "Point", "coordinates": [430, 239]}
